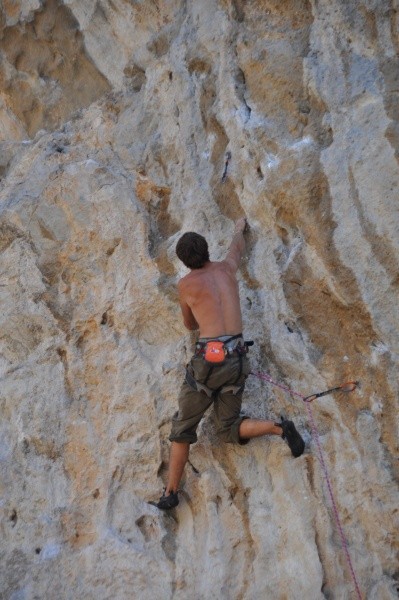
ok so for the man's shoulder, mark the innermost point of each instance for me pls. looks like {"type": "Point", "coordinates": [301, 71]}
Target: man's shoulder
{"type": "Point", "coordinates": [185, 283]}
{"type": "Point", "coordinates": [194, 277]}
{"type": "Point", "coordinates": [184, 280]}
{"type": "Point", "coordinates": [226, 265]}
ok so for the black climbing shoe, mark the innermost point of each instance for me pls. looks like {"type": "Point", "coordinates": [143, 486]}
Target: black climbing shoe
{"type": "Point", "coordinates": [292, 437]}
{"type": "Point", "coordinates": [167, 502]}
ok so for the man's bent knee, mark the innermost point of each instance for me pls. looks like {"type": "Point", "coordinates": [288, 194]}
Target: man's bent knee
{"type": "Point", "coordinates": [231, 433]}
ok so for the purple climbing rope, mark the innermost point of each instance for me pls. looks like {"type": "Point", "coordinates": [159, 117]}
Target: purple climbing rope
{"type": "Point", "coordinates": [316, 436]}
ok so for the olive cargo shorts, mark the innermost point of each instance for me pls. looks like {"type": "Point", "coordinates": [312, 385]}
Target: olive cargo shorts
{"type": "Point", "coordinates": [227, 406]}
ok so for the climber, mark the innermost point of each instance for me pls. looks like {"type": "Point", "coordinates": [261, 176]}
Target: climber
{"type": "Point", "coordinates": [216, 374]}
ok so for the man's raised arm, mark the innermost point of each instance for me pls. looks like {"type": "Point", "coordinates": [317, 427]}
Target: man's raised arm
{"type": "Point", "coordinates": [237, 246]}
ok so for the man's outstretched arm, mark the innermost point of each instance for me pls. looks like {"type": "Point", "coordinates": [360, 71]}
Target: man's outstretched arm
{"type": "Point", "coordinates": [237, 246]}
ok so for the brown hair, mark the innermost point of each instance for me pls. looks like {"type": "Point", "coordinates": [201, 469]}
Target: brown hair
{"type": "Point", "coordinates": [192, 249]}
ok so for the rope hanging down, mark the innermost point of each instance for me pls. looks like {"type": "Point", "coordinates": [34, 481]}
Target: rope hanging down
{"type": "Point", "coordinates": [345, 387]}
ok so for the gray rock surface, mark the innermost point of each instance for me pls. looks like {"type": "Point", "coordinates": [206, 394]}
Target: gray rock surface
{"type": "Point", "coordinates": [116, 119]}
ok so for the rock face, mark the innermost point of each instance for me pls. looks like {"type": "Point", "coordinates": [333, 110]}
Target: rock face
{"type": "Point", "coordinates": [116, 120]}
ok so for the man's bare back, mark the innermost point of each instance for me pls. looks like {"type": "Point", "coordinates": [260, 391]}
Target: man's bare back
{"type": "Point", "coordinates": [209, 296]}
{"type": "Point", "coordinates": [210, 301]}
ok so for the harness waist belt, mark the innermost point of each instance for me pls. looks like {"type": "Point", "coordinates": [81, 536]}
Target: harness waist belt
{"type": "Point", "coordinates": [231, 342]}
{"type": "Point", "coordinates": [234, 344]}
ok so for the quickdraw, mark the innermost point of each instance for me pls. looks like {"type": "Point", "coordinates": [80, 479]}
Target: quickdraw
{"type": "Point", "coordinates": [348, 386]}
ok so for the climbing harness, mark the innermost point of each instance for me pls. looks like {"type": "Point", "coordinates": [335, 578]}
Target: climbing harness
{"type": "Point", "coordinates": [349, 386]}
{"type": "Point", "coordinates": [215, 352]}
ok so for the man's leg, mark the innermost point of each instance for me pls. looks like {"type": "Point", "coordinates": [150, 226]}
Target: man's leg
{"type": "Point", "coordinates": [177, 461]}
{"type": "Point", "coordinates": [250, 428]}
{"type": "Point", "coordinates": [233, 427]}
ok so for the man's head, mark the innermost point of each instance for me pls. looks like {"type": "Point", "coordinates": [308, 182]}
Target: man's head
{"type": "Point", "coordinates": [192, 249]}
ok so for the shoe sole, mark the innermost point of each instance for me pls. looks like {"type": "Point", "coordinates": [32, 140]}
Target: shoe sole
{"type": "Point", "coordinates": [296, 443]}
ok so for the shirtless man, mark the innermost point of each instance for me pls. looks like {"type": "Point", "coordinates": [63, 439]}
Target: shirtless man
{"type": "Point", "coordinates": [209, 301]}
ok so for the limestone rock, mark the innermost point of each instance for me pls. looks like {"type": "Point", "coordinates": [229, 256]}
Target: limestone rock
{"type": "Point", "coordinates": [117, 120]}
